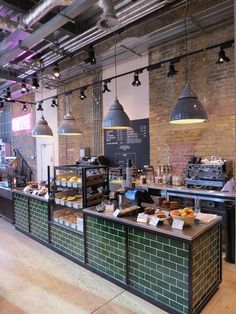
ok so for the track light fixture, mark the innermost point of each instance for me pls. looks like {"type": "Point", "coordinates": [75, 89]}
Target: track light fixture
{"type": "Point", "coordinates": [56, 71]}
{"type": "Point", "coordinates": [105, 87]}
{"type": "Point", "coordinates": [23, 87]}
{"type": "Point", "coordinates": [24, 107]}
{"type": "Point", "coordinates": [172, 71]}
{"type": "Point", "coordinates": [54, 102]}
{"type": "Point", "coordinates": [91, 56]}
{"type": "Point", "coordinates": [136, 81]}
{"type": "Point", "coordinates": [2, 105]}
{"type": "Point", "coordinates": [82, 94]}
{"type": "Point", "coordinates": [40, 108]}
{"type": "Point", "coordinates": [222, 57]}
{"type": "Point", "coordinates": [8, 94]}
{"type": "Point", "coordinates": [35, 83]}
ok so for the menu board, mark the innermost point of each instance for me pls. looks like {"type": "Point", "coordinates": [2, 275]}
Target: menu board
{"type": "Point", "coordinates": [120, 145]}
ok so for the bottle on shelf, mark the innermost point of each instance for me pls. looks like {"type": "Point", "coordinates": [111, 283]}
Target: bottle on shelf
{"type": "Point", "coordinates": [129, 173]}
{"type": "Point", "coordinates": [158, 178]}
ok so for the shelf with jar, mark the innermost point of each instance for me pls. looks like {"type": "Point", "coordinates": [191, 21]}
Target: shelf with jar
{"type": "Point", "coordinates": [75, 188]}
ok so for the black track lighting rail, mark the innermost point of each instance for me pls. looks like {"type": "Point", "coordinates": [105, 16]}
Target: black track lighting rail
{"type": "Point", "coordinates": [151, 67]}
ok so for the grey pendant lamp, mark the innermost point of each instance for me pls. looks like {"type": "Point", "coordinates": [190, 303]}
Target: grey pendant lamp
{"type": "Point", "coordinates": [69, 125]}
{"type": "Point", "coordinates": [116, 117]}
{"type": "Point", "coordinates": [188, 109]}
{"type": "Point", "coordinates": [42, 129]}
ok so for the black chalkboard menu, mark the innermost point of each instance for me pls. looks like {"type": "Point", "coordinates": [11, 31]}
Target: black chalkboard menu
{"type": "Point", "coordinates": [134, 144]}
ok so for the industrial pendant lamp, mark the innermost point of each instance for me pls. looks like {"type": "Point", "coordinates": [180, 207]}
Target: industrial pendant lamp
{"type": "Point", "coordinates": [188, 108]}
{"type": "Point", "coordinates": [69, 125]}
{"type": "Point", "coordinates": [116, 117]}
{"type": "Point", "coordinates": [42, 129]}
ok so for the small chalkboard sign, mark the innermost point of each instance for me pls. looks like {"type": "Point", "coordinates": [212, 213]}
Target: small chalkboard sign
{"type": "Point", "coordinates": [134, 144]}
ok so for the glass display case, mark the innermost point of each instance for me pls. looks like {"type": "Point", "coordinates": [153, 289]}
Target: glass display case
{"type": "Point", "coordinates": [74, 188]}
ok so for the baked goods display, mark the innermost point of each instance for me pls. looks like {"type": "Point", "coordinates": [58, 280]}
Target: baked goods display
{"type": "Point", "coordinates": [71, 200]}
{"type": "Point", "coordinates": [36, 189]}
{"type": "Point", "coordinates": [71, 180]}
{"type": "Point", "coordinates": [150, 210]}
{"type": "Point", "coordinates": [68, 217]}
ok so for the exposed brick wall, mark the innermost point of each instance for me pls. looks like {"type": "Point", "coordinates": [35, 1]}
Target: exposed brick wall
{"type": "Point", "coordinates": [23, 140]}
{"type": "Point", "coordinates": [214, 85]}
{"type": "Point", "coordinates": [69, 146]}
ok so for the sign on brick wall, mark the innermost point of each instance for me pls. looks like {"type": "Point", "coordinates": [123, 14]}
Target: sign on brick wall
{"type": "Point", "coordinates": [22, 123]}
{"type": "Point", "coordinates": [120, 145]}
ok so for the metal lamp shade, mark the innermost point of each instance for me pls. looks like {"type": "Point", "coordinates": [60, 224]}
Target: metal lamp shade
{"type": "Point", "coordinates": [188, 108]}
{"type": "Point", "coordinates": [116, 117]}
{"type": "Point", "coordinates": [42, 129]}
{"type": "Point", "coordinates": [69, 126]}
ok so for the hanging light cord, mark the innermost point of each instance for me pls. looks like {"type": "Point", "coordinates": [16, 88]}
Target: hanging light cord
{"type": "Point", "coordinates": [115, 72]}
{"type": "Point", "coordinates": [186, 40]}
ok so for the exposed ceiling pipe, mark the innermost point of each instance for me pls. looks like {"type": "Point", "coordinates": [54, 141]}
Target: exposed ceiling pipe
{"type": "Point", "coordinates": [8, 24]}
{"type": "Point", "coordinates": [109, 19]}
{"type": "Point", "coordinates": [41, 9]}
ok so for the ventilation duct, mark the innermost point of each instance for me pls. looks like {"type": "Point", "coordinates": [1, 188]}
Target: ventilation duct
{"type": "Point", "coordinates": [108, 20]}
{"type": "Point", "coordinates": [7, 24]}
{"type": "Point", "coordinates": [41, 9]}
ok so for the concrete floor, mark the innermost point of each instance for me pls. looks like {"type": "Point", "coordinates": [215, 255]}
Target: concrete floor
{"type": "Point", "coordinates": [36, 280]}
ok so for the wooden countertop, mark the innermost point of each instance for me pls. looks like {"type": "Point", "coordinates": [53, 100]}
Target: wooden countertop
{"type": "Point", "coordinates": [189, 233]}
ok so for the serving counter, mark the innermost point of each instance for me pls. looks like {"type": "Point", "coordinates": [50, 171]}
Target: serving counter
{"type": "Point", "coordinates": [176, 270]}
{"type": "Point", "coordinates": [6, 202]}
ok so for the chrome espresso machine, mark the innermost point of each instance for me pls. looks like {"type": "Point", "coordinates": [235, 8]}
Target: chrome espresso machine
{"type": "Point", "coordinates": [207, 176]}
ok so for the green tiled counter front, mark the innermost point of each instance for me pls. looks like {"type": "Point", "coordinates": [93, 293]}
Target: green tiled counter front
{"type": "Point", "coordinates": [158, 267]}
{"type": "Point", "coordinates": [21, 211]}
{"type": "Point", "coordinates": [67, 241]}
{"type": "Point", "coordinates": [106, 247]}
{"type": "Point", "coordinates": [206, 267]}
{"type": "Point", "coordinates": [38, 211]}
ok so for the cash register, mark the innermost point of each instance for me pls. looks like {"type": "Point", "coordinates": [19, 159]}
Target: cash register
{"type": "Point", "coordinates": [138, 196]}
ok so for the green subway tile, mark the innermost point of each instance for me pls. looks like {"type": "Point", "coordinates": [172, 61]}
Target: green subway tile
{"type": "Point", "coordinates": [177, 275]}
{"type": "Point", "coordinates": [177, 306]}
{"type": "Point", "coordinates": [157, 260]}
{"type": "Point", "coordinates": [182, 269]}
{"type": "Point", "coordinates": [169, 280]}
{"type": "Point", "coordinates": [182, 253]}
{"type": "Point", "coordinates": [169, 249]}
{"type": "Point", "coordinates": [176, 243]}
{"type": "Point", "coordinates": [163, 284]}
{"type": "Point", "coordinates": [169, 295]}
{"type": "Point", "coordinates": [176, 259]}
{"type": "Point", "coordinates": [177, 291]}
{"type": "Point", "coordinates": [169, 265]}
{"type": "Point", "coordinates": [157, 245]}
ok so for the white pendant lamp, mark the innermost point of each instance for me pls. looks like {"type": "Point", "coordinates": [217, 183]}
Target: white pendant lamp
{"type": "Point", "coordinates": [188, 109]}
{"type": "Point", "coordinates": [116, 117]}
{"type": "Point", "coordinates": [69, 125]}
{"type": "Point", "coordinates": [42, 129]}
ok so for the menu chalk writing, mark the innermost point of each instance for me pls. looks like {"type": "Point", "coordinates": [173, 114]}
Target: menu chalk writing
{"type": "Point", "coordinates": [120, 145]}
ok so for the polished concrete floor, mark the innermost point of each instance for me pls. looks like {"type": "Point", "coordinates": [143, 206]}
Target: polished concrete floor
{"type": "Point", "coordinates": [36, 280]}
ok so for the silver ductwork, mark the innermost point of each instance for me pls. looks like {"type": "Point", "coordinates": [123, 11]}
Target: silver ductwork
{"type": "Point", "coordinates": [109, 19]}
{"type": "Point", "coordinates": [40, 10]}
{"type": "Point", "coordinates": [8, 24]}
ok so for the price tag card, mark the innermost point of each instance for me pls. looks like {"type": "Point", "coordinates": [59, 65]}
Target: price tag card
{"type": "Point", "coordinates": [154, 221]}
{"type": "Point", "coordinates": [177, 224]}
{"type": "Point", "coordinates": [110, 207]}
{"type": "Point", "coordinates": [116, 213]}
{"type": "Point", "coordinates": [142, 217]}
{"type": "Point", "coordinates": [46, 196]}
